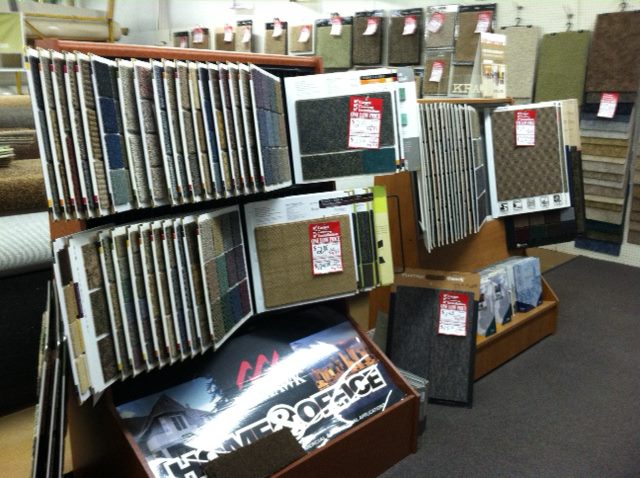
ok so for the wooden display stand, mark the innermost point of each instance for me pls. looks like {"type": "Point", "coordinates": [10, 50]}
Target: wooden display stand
{"type": "Point", "coordinates": [102, 447]}
{"type": "Point", "coordinates": [469, 254]}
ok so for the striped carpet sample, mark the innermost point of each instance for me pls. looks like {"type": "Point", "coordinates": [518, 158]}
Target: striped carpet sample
{"type": "Point", "coordinates": [367, 49]}
{"type": "Point", "coordinates": [275, 45]}
{"type": "Point", "coordinates": [562, 63]}
{"type": "Point", "coordinates": [613, 59]}
{"type": "Point", "coordinates": [521, 54]}
{"type": "Point", "coordinates": [335, 50]}
{"type": "Point", "coordinates": [404, 49]}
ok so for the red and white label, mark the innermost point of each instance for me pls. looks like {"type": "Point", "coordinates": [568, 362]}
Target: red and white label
{"type": "Point", "coordinates": [436, 71]}
{"type": "Point", "coordinates": [410, 25]}
{"type": "Point", "coordinates": [452, 317]}
{"type": "Point", "coordinates": [305, 34]}
{"type": "Point", "coordinates": [484, 22]}
{"type": "Point", "coordinates": [608, 105]}
{"type": "Point", "coordinates": [277, 29]}
{"type": "Point", "coordinates": [365, 118]}
{"type": "Point", "coordinates": [435, 22]}
{"type": "Point", "coordinates": [184, 42]}
{"type": "Point", "coordinates": [228, 34]}
{"type": "Point", "coordinates": [372, 26]}
{"type": "Point", "coordinates": [336, 26]}
{"type": "Point", "coordinates": [525, 125]}
{"type": "Point", "coordinates": [326, 247]}
{"type": "Point", "coordinates": [246, 34]}
{"type": "Point", "coordinates": [197, 35]}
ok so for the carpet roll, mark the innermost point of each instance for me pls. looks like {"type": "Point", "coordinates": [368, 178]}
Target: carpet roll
{"type": "Point", "coordinates": [16, 112]}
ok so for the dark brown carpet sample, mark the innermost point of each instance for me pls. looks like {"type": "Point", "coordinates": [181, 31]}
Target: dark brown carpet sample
{"type": "Point", "coordinates": [367, 49]}
{"type": "Point", "coordinates": [405, 49]}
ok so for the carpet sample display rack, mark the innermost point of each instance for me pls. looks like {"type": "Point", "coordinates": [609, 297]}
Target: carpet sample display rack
{"type": "Point", "coordinates": [100, 445]}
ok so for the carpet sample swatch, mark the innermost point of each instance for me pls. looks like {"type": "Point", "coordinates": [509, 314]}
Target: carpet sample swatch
{"type": "Point", "coordinates": [435, 84]}
{"type": "Point", "coordinates": [223, 45]}
{"type": "Point", "coordinates": [286, 264]}
{"type": "Point", "coordinates": [523, 172]}
{"type": "Point", "coordinates": [335, 50]}
{"type": "Point", "coordinates": [562, 63]}
{"type": "Point", "coordinates": [367, 49]}
{"type": "Point", "coordinates": [444, 37]}
{"type": "Point", "coordinates": [22, 187]}
{"type": "Point", "coordinates": [460, 82]}
{"type": "Point", "coordinates": [244, 36]}
{"type": "Point", "coordinates": [466, 44]}
{"type": "Point", "coordinates": [613, 59]}
{"type": "Point", "coordinates": [301, 39]}
{"type": "Point", "coordinates": [521, 55]}
{"type": "Point", "coordinates": [275, 45]}
{"type": "Point", "coordinates": [404, 49]}
{"type": "Point", "coordinates": [16, 111]}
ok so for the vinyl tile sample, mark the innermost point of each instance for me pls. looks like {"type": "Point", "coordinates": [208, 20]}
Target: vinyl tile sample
{"type": "Point", "coordinates": [435, 84]}
{"type": "Point", "coordinates": [324, 140]}
{"type": "Point", "coordinates": [404, 49]}
{"type": "Point", "coordinates": [613, 59]}
{"type": "Point", "coordinates": [562, 63]}
{"type": "Point", "coordinates": [367, 49]}
{"type": "Point", "coordinates": [521, 54]}
{"type": "Point", "coordinates": [466, 43]}
{"type": "Point", "coordinates": [275, 45]}
{"type": "Point", "coordinates": [286, 264]}
{"type": "Point", "coordinates": [335, 50]}
{"type": "Point", "coordinates": [443, 38]}
{"type": "Point", "coordinates": [297, 47]}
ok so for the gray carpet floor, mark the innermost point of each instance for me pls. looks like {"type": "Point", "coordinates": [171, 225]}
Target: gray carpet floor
{"type": "Point", "coordinates": [567, 407]}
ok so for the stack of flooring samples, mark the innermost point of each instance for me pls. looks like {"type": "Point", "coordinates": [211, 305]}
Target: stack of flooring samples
{"type": "Point", "coordinates": [333, 42]}
{"type": "Point", "coordinates": [141, 296]}
{"type": "Point", "coordinates": [562, 63]}
{"type": "Point", "coordinates": [368, 31]}
{"type": "Point", "coordinates": [521, 55]}
{"type": "Point", "coordinates": [634, 219]}
{"type": "Point", "coordinates": [440, 23]}
{"type": "Point", "coordinates": [432, 330]}
{"type": "Point", "coordinates": [318, 246]}
{"type": "Point", "coordinates": [452, 183]}
{"type": "Point", "coordinates": [527, 163]}
{"type": "Point", "coordinates": [275, 38]}
{"type": "Point", "coordinates": [6, 155]}
{"type": "Point", "coordinates": [117, 135]}
{"type": "Point", "coordinates": [404, 39]}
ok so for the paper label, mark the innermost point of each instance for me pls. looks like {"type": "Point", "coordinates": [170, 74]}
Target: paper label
{"type": "Point", "coordinates": [365, 119]}
{"type": "Point", "coordinates": [246, 34]}
{"type": "Point", "coordinates": [608, 105]}
{"type": "Point", "coordinates": [184, 42]}
{"type": "Point", "coordinates": [484, 21]}
{"type": "Point", "coordinates": [372, 27]}
{"type": "Point", "coordinates": [198, 35]}
{"type": "Point", "coordinates": [228, 34]}
{"type": "Point", "coordinates": [305, 34]}
{"type": "Point", "coordinates": [436, 71]}
{"type": "Point", "coordinates": [336, 26]}
{"type": "Point", "coordinates": [452, 317]}
{"type": "Point", "coordinates": [435, 22]}
{"type": "Point", "coordinates": [326, 248]}
{"type": "Point", "coordinates": [525, 127]}
{"type": "Point", "coordinates": [277, 29]}
{"type": "Point", "coordinates": [409, 25]}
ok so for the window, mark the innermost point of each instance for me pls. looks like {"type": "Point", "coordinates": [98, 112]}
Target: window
{"type": "Point", "coordinates": [179, 422]}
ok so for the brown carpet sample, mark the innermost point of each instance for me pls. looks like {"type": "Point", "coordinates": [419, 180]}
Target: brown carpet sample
{"type": "Point", "coordinates": [22, 187]}
{"type": "Point", "coordinates": [441, 87]}
{"type": "Point", "coordinates": [467, 41]}
{"type": "Point", "coordinates": [224, 45]}
{"type": "Point", "coordinates": [277, 45]}
{"type": "Point", "coordinates": [443, 38]}
{"type": "Point", "coordinates": [286, 265]}
{"type": "Point", "coordinates": [367, 49]}
{"type": "Point", "coordinates": [404, 49]}
{"type": "Point", "coordinates": [16, 112]}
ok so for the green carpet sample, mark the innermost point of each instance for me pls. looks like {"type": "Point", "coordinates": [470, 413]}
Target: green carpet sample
{"type": "Point", "coordinates": [521, 55]}
{"type": "Point", "coordinates": [562, 62]}
{"type": "Point", "coordinates": [335, 50]}
{"type": "Point", "coordinates": [367, 49]}
{"type": "Point", "coordinates": [298, 47]}
{"type": "Point", "coordinates": [404, 49]}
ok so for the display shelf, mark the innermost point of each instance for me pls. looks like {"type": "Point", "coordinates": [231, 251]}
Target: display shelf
{"type": "Point", "coordinates": [479, 102]}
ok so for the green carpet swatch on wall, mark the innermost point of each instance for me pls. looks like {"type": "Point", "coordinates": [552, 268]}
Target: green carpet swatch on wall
{"type": "Point", "coordinates": [301, 39]}
{"type": "Point", "coordinates": [562, 62]}
{"type": "Point", "coordinates": [521, 54]}
{"type": "Point", "coordinates": [367, 38]}
{"type": "Point", "coordinates": [404, 47]}
{"type": "Point", "coordinates": [333, 43]}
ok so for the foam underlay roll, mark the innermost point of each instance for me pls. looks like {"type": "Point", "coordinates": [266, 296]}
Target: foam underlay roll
{"type": "Point", "coordinates": [24, 243]}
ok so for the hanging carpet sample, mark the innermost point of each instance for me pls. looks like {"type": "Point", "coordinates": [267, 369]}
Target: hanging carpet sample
{"type": "Point", "coordinates": [437, 70]}
{"type": "Point", "coordinates": [238, 127]}
{"type": "Point", "coordinates": [613, 59]}
{"type": "Point", "coordinates": [562, 63]}
{"type": "Point", "coordinates": [432, 331]}
{"type": "Point", "coordinates": [472, 19]}
{"type": "Point", "coordinates": [244, 36]}
{"type": "Point", "coordinates": [333, 43]}
{"type": "Point", "coordinates": [521, 55]}
{"type": "Point", "coordinates": [440, 26]}
{"type": "Point", "coordinates": [368, 30]}
{"type": "Point", "coordinates": [404, 37]}
{"type": "Point", "coordinates": [275, 39]}
{"type": "Point", "coordinates": [301, 38]}
{"type": "Point", "coordinates": [225, 38]}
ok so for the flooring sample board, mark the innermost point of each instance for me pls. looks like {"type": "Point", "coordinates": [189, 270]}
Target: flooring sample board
{"type": "Point", "coordinates": [521, 57]}
{"type": "Point", "coordinates": [460, 82]}
{"type": "Point", "coordinates": [230, 131]}
{"type": "Point", "coordinates": [173, 120]}
{"type": "Point", "coordinates": [562, 63]}
{"type": "Point", "coordinates": [270, 129]}
{"type": "Point", "coordinates": [432, 331]}
{"type": "Point", "coordinates": [275, 38]}
{"type": "Point", "coordinates": [209, 129]}
{"type": "Point", "coordinates": [527, 178]}
{"type": "Point", "coordinates": [594, 97]}
{"type": "Point", "coordinates": [249, 127]}
{"type": "Point", "coordinates": [368, 35]}
{"type": "Point", "coordinates": [17, 108]}
{"type": "Point", "coordinates": [471, 21]}
{"type": "Point", "coordinates": [226, 178]}
{"type": "Point", "coordinates": [333, 42]}
{"type": "Point", "coordinates": [613, 57]}
{"type": "Point", "coordinates": [301, 39]}
{"type": "Point", "coordinates": [440, 26]}
{"type": "Point", "coordinates": [200, 133]}
{"type": "Point", "coordinates": [437, 71]}
{"type": "Point", "coordinates": [246, 175]}
{"type": "Point", "coordinates": [244, 36]}
{"type": "Point", "coordinates": [404, 39]}
{"type": "Point", "coordinates": [225, 38]}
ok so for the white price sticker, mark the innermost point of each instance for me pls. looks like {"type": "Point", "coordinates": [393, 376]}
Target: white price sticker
{"type": "Point", "coordinates": [246, 34]}
{"type": "Point", "coordinates": [437, 69]}
{"type": "Point", "coordinates": [608, 105]}
{"type": "Point", "coordinates": [372, 27]}
{"type": "Point", "coordinates": [336, 26]}
{"type": "Point", "coordinates": [410, 25]}
{"type": "Point", "coordinates": [484, 22]}
{"type": "Point", "coordinates": [277, 29]}
{"type": "Point", "coordinates": [228, 34]}
{"type": "Point", "coordinates": [435, 22]}
{"type": "Point", "coordinates": [305, 34]}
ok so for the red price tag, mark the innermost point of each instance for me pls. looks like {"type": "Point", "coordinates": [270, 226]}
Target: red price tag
{"type": "Point", "coordinates": [608, 105]}
{"type": "Point", "coordinates": [198, 35]}
{"type": "Point", "coordinates": [484, 21]}
{"type": "Point", "coordinates": [326, 247]}
{"type": "Point", "coordinates": [305, 34]}
{"type": "Point", "coordinates": [277, 28]}
{"type": "Point", "coordinates": [435, 22]}
{"type": "Point", "coordinates": [336, 26]}
{"type": "Point", "coordinates": [365, 119]}
{"type": "Point", "coordinates": [246, 34]}
{"type": "Point", "coordinates": [409, 25]}
{"type": "Point", "coordinates": [228, 34]}
{"type": "Point", "coordinates": [436, 71]}
{"type": "Point", "coordinates": [184, 42]}
{"type": "Point", "coordinates": [452, 316]}
{"type": "Point", "coordinates": [372, 26]}
{"type": "Point", "coordinates": [525, 126]}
